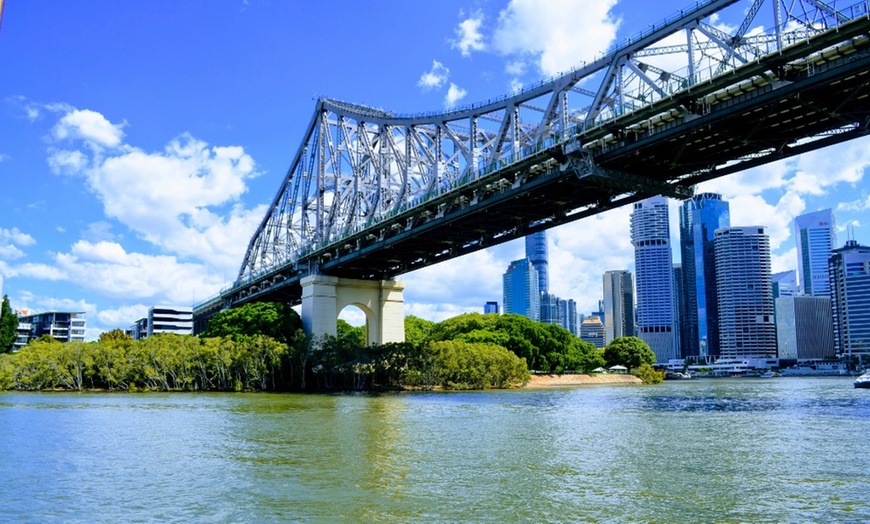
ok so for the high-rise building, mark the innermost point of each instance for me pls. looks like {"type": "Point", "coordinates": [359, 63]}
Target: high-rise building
{"type": "Point", "coordinates": [804, 327]}
{"type": "Point", "coordinates": [700, 217]}
{"type": "Point", "coordinates": [815, 237]}
{"type": "Point", "coordinates": [520, 286]}
{"type": "Point", "coordinates": [571, 308]}
{"type": "Point", "coordinates": [536, 252]}
{"type": "Point", "coordinates": [654, 277]}
{"type": "Point", "coordinates": [849, 269]}
{"type": "Point", "coordinates": [745, 293]}
{"type": "Point", "coordinates": [784, 284]}
{"type": "Point", "coordinates": [618, 305]}
{"type": "Point", "coordinates": [550, 313]}
{"type": "Point", "coordinates": [592, 331]}
{"type": "Point", "coordinates": [490, 307]}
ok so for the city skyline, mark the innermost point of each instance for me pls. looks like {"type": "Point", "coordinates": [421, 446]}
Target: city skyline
{"type": "Point", "coordinates": [140, 182]}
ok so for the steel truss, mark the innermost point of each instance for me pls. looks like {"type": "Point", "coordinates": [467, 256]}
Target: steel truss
{"type": "Point", "coordinates": [364, 174]}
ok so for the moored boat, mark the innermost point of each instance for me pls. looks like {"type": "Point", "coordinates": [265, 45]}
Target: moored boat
{"type": "Point", "coordinates": [863, 381]}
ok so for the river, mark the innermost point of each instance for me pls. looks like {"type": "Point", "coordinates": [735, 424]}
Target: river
{"type": "Point", "coordinates": [791, 449]}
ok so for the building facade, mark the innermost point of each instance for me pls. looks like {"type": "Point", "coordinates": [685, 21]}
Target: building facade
{"type": "Point", "coordinates": [745, 293]}
{"type": "Point", "coordinates": [700, 217]}
{"type": "Point", "coordinates": [64, 326]}
{"type": "Point", "coordinates": [520, 288]}
{"type": "Point", "coordinates": [536, 252]}
{"type": "Point", "coordinates": [654, 277]}
{"type": "Point", "coordinates": [490, 307]}
{"type": "Point", "coordinates": [164, 319]}
{"type": "Point", "coordinates": [815, 237]}
{"type": "Point", "coordinates": [618, 305]}
{"type": "Point", "coordinates": [849, 270]}
{"type": "Point", "coordinates": [592, 331]}
{"type": "Point", "coordinates": [804, 327]}
{"type": "Point", "coordinates": [784, 284]}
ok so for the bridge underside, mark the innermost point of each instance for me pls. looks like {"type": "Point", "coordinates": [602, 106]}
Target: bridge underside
{"type": "Point", "coordinates": [770, 109]}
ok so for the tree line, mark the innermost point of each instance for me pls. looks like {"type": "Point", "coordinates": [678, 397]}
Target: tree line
{"type": "Point", "coordinates": [262, 347]}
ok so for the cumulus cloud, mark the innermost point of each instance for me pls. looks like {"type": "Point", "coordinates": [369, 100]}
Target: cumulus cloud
{"type": "Point", "coordinates": [184, 199]}
{"type": "Point", "coordinates": [122, 316]}
{"type": "Point", "coordinates": [454, 95]}
{"type": "Point", "coordinates": [107, 268]}
{"type": "Point", "coordinates": [15, 236]}
{"type": "Point", "coordinates": [558, 35]}
{"type": "Point", "coordinates": [468, 35]}
{"type": "Point", "coordinates": [435, 77]}
{"type": "Point", "coordinates": [90, 126]}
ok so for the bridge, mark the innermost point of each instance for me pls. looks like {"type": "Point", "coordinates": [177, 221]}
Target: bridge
{"type": "Point", "coordinates": [371, 195]}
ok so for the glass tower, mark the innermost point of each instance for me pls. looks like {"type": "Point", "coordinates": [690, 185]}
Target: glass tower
{"type": "Point", "coordinates": [536, 252]}
{"type": "Point", "coordinates": [520, 286]}
{"type": "Point", "coordinates": [815, 238]}
{"type": "Point", "coordinates": [850, 298]}
{"type": "Point", "coordinates": [700, 217]}
{"type": "Point", "coordinates": [654, 276]}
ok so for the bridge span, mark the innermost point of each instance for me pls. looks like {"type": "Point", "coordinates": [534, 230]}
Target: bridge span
{"type": "Point", "coordinates": [371, 195]}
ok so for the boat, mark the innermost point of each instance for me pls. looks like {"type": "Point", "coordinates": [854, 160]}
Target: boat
{"type": "Point", "coordinates": [769, 374]}
{"type": "Point", "coordinates": [863, 381]}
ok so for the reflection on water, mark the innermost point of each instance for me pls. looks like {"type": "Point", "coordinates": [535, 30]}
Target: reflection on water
{"type": "Point", "coordinates": [779, 450]}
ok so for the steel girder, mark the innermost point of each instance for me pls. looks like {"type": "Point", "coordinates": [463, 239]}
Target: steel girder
{"type": "Point", "coordinates": [358, 167]}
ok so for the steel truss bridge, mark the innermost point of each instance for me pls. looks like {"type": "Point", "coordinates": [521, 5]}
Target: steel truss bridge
{"type": "Point", "coordinates": [371, 194]}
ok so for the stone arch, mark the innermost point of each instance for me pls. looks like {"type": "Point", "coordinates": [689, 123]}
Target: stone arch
{"type": "Point", "coordinates": [323, 298]}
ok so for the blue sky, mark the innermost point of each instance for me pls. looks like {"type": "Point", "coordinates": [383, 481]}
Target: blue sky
{"type": "Point", "coordinates": [141, 142]}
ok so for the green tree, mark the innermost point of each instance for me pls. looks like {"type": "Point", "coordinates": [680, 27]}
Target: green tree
{"type": "Point", "coordinates": [465, 365]}
{"type": "Point", "coordinates": [8, 326]}
{"type": "Point", "coordinates": [648, 375]}
{"type": "Point", "coordinates": [417, 330]}
{"type": "Point", "coordinates": [351, 334]}
{"type": "Point", "coordinates": [273, 319]}
{"type": "Point", "coordinates": [115, 334]}
{"type": "Point", "coordinates": [630, 352]}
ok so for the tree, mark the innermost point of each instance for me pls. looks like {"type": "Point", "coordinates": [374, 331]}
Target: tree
{"type": "Point", "coordinates": [8, 326]}
{"type": "Point", "coordinates": [273, 319]}
{"type": "Point", "coordinates": [417, 330]}
{"type": "Point", "coordinates": [630, 352]}
{"type": "Point", "coordinates": [115, 334]}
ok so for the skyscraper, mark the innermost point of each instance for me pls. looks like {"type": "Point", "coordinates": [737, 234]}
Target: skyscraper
{"type": "Point", "coordinates": [784, 284]}
{"type": "Point", "coordinates": [618, 305]}
{"type": "Point", "coordinates": [654, 277]}
{"type": "Point", "coordinates": [815, 237]}
{"type": "Point", "coordinates": [491, 306]}
{"type": "Point", "coordinates": [700, 217]}
{"type": "Point", "coordinates": [849, 269]}
{"type": "Point", "coordinates": [536, 252]}
{"type": "Point", "coordinates": [745, 293]}
{"type": "Point", "coordinates": [520, 286]}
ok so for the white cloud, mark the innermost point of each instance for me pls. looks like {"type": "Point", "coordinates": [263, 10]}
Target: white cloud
{"type": "Point", "coordinates": [4, 158]}
{"type": "Point", "coordinates": [454, 95]}
{"type": "Point", "coordinates": [183, 199]}
{"type": "Point", "coordinates": [516, 86]}
{"type": "Point", "coordinates": [122, 317]}
{"type": "Point", "coordinates": [89, 126]}
{"type": "Point", "coordinates": [468, 36]}
{"type": "Point", "coordinates": [107, 268]}
{"type": "Point", "coordinates": [15, 236]}
{"type": "Point", "coordinates": [559, 34]}
{"type": "Point", "coordinates": [10, 252]}
{"type": "Point", "coordinates": [435, 78]}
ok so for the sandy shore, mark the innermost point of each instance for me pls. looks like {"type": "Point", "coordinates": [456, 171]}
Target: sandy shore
{"type": "Point", "coordinates": [546, 381]}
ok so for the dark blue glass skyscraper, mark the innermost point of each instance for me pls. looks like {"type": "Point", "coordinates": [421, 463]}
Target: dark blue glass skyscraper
{"type": "Point", "coordinates": [536, 252]}
{"type": "Point", "coordinates": [700, 217]}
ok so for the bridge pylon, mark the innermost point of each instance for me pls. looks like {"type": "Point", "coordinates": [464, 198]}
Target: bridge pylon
{"type": "Point", "coordinates": [382, 301]}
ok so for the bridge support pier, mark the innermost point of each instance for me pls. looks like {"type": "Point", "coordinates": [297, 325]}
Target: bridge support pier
{"type": "Point", "coordinates": [382, 301]}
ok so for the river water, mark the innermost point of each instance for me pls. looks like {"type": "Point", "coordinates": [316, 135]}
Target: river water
{"type": "Point", "coordinates": [789, 449]}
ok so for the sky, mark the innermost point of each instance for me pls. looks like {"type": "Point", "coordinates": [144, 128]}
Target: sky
{"type": "Point", "coordinates": [141, 143]}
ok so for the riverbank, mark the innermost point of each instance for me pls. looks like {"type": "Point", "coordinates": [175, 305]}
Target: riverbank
{"type": "Point", "coordinates": [548, 381]}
